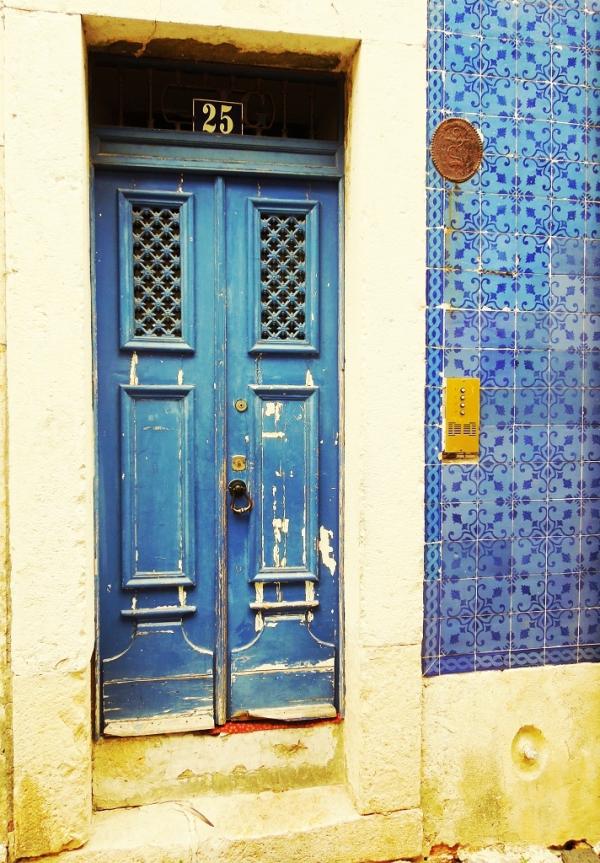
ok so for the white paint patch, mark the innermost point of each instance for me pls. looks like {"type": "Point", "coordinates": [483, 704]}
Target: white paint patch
{"type": "Point", "coordinates": [259, 592]}
{"type": "Point", "coordinates": [180, 377]}
{"type": "Point", "coordinates": [326, 549]}
{"type": "Point", "coordinates": [133, 378]}
{"type": "Point", "coordinates": [278, 434]}
{"type": "Point", "coordinates": [182, 595]}
{"type": "Point", "coordinates": [280, 525]}
{"type": "Point", "coordinates": [273, 409]}
{"type": "Point", "coordinates": [309, 379]}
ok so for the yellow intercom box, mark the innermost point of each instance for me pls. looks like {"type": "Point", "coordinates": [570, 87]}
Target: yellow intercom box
{"type": "Point", "coordinates": [461, 418]}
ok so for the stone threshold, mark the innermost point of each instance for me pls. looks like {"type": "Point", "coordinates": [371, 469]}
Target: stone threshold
{"type": "Point", "coordinates": [307, 825]}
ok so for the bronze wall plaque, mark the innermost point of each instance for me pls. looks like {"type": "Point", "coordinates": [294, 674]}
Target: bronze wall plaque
{"type": "Point", "coordinates": [456, 149]}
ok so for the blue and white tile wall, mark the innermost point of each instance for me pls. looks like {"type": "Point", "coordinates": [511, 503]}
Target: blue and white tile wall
{"type": "Point", "coordinates": [513, 297]}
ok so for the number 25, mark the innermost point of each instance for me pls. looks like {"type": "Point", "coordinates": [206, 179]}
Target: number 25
{"type": "Point", "coordinates": [225, 121]}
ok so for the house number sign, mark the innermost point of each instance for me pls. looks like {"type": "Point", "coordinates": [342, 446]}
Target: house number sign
{"type": "Point", "coordinates": [218, 118]}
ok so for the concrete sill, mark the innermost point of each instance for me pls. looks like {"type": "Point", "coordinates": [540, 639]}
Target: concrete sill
{"type": "Point", "coordinates": [308, 825]}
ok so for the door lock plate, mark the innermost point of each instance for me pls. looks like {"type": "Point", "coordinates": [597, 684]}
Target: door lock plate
{"type": "Point", "coordinates": [238, 462]}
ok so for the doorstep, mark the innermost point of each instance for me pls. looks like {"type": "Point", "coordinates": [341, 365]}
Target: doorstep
{"type": "Point", "coordinates": [307, 825]}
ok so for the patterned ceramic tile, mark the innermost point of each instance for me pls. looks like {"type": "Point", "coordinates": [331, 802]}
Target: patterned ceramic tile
{"type": "Point", "coordinates": [513, 293]}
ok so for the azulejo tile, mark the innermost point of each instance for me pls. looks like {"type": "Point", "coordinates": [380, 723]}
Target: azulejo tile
{"type": "Point", "coordinates": [566, 368]}
{"type": "Point", "coordinates": [462, 250]}
{"type": "Point", "coordinates": [498, 18]}
{"type": "Point", "coordinates": [534, 255]}
{"type": "Point", "coordinates": [591, 377]}
{"type": "Point", "coordinates": [568, 219]}
{"type": "Point", "coordinates": [565, 405]}
{"type": "Point", "coordinates": [534, 175]}
{"type": "Point", "coordinates": [462, 290]}
{"type": "Point", "coordinates": [496, 445]}
{"type": "Point", "coordinates": [568, 103]}
{"type": "Point", "coordinates": [534, 216]}
{"type": "Point", "coordinates": [513, 555]}
{"type": "Point", "coordinates": [534, 99]}
{"type": "Point", "coordinates": [589, 595]}
{"type": "Point", "coordinates": [561, 627]}
{"type": "Point", "coordinates": [462, 16]}
{"type": "Point", "coordinates": [531, 444]}
{"type": "Point", "coordinates": [567, 293]}
{"type": "Point", "coordinates": [458, 482]}
{"type": "Point", "coordinates": [498, 214]}
{"type": "Point", "coordinates": [459, 521]}
{"type": "Point", "coordinates": [563, 555]}
{"type": "Point", "coordinates": [567, 256]}
{"type": "Point", "coordinates": [534, 140]}
{"type": "Point", "coordinates": [498, 96]}
{"type": "Point", "coordinates": [527, 630]}
{"type": "Point", "coordinates": [568, 142]}
{"type": "Point", "coordinates": [458, 598]}
{"type": "Point", "coordinates": [532, 370]}
{"type": "Point", "coordinates": [461, 328]}
{"type": "Point", "coordinates": [532, 405]}
{"type": "Point", "coordinates": [459, 560]}
{"type": "Point", "coordinates": [569, 180]}
{"type": "Point", "coordinates": [568, 26]}
{"type": "Point", "coordinates": [530, 482]}
{"type": "Point", "coordinates": [494, 558]}
{"type": "Point", "coordinates": [462, 54]}
{"type": "Point", "coordinates": [528, 594]}
{"type": "Point", "coordinates": [456, 664]}
{"type": "Point", "coordinates": [497, 407]}
{"type": "Point", "coordinates": [534, 22]}
{"type": "Point", "coordinates": [564, 443]}
{"type": "Point", "coordinates": [457, 635]}
{"type": "Point", "coordinates": [529, 556]}
{"type": "Point", "coordinates": [493, 632]}
{"type": "Point", "coordinates": [568, 65]}
{"type": "Point", "coordinates": [495, 482]}
{"type": "Point", "coordinates": [462, 211]}
{"type": "Point", "coordinates": [534, 61]}
{"type": "Point", "coordinates": [462, 93]}
{"type": "Point", "coordinates": [498, 291]}
{"type": "Point", "coordinates": [499, 57]}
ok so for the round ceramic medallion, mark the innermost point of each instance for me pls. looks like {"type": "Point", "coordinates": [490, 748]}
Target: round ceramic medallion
{"type": "Point", "coordinates": [456, 149]}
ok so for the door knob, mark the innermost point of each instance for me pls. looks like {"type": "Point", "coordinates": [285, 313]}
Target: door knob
{"type": "Point", "coordinates": [239, 493]}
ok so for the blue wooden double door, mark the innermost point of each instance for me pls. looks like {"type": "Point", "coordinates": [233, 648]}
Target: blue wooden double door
{"type": "Point", "coordinates": [216, 312]}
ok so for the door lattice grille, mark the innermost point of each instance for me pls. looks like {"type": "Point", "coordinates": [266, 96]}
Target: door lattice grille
{"type": "Point", "coordinates": [283, 276]}
{"type": "Point", "coordinates": [156, 271]}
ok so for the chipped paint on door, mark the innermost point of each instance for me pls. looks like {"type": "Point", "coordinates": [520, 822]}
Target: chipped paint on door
{"type": "Point", "coordinates": [185, 640]}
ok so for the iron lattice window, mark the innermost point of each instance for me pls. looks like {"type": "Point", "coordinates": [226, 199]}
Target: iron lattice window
{"type": "Point", "coordinates": [283, 276]}
{"type": "Point", "coordinates": [156, 271]}
{"type": "Point", "coordinates": [158, 94]}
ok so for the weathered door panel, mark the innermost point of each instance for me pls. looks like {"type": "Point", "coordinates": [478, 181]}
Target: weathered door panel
{"type": "Point", "coordinates": [210, 291]}
{"type": "Point", "coordinates": [282, 281]}
{"type": "Point", "coordinates": [155, 275]}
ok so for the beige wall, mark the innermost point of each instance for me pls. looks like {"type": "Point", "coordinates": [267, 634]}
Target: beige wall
{"type": "Point", "coordinates": [5, 737]}
{"type": "Point", "coordinates": [512, 756]}
{"type": "Point", "coordinates": [469, 720]}
{"type": "Point", "coordinates": [50, 394]}
{"type": "Point", "coordinates": [50, 434]}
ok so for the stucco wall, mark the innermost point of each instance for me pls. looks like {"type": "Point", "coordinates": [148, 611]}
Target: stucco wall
{"type": "Point", "coordinates": [512, 756]}
{"type": "Point", "coordinates": [5, 741]}
{"type": "Point", "coordinates": [51, 431]}
{"type": "Point", "coordinates": [49, 360]}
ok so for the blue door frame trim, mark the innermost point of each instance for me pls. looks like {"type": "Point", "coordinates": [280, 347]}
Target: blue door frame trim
{"type": "Point", "coordinates": [222, 154]}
